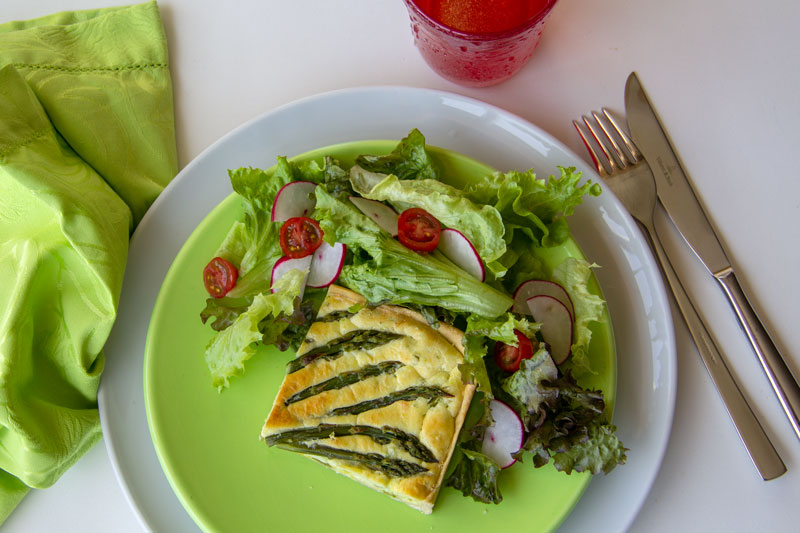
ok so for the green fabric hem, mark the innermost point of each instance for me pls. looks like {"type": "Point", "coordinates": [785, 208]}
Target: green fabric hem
{"type": "Point", "coordinates": [80, 70]}
{"type": "Point", "coordinates": [59, 39]}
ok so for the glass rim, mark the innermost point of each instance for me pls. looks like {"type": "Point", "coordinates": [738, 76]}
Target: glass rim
{"type": "Point", "coordinates": [510, 32]}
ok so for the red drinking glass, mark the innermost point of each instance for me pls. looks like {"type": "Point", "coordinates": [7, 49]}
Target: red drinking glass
{"type": "Point", "coordinates": [477, 43]}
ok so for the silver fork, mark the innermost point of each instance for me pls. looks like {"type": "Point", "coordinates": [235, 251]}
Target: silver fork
{"type": "Point", "coordinates": [628, 175]}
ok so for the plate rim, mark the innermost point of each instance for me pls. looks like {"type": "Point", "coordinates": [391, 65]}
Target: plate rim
{"type": "Point", "coordinates": [387, 91]}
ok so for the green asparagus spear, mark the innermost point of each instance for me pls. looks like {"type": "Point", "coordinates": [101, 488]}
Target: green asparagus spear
{"type": "Point", "coordinates": [432, 394]}
{"type": "Point", "coordinates": [344, 379]}
{"type": "Point", "coordinates": [354, 340]}
{"type": "Point", "coordinates": [374, 461]}
{"type": "Point", "coordinates": [382, 435]}
{"type": "Point", "coordinates": [335, 316]}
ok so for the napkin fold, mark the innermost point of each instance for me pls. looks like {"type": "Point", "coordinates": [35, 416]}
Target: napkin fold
{"type": "Point", "coordinates": [87, 142]}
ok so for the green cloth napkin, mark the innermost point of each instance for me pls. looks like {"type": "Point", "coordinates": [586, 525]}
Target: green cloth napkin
{"type": "Point", "coordinates": [87, 142]}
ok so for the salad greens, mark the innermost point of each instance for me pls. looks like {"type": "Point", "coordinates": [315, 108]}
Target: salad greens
{"type": "Point", "coordinates": [232, 346]}
{"type": "Point", "coordinates": [510, 218]}
{"type": "Point", "coordinates": [384, 270]}
{"type": "Point", "coordinates": [481, 224]}
{"type": "Point", "coordinates": [409, 160]}
{"type": "Point", "coordinates": [574, 276]}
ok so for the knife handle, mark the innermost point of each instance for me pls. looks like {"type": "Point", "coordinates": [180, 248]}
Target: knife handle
{"type": "Point", "coordinates": [778, 373]}
{"type": "Point", "coordinates": [755, 440]}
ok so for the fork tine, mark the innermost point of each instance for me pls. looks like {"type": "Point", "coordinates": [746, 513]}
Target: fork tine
{"type": "Point", "coordinates": [637, 155]}
{"type": "Point", "coordinates": [610, 158]}
{"type": "Point", "coordinates": [595, 158]}
{"type": "Point", "coordinates": [622, 157]}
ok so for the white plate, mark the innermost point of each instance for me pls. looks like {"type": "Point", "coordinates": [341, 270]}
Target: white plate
{"type": "Point", "coordinates": [606, 233]}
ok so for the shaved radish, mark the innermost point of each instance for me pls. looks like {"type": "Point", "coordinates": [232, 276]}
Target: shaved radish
{"type": "Point", "coordinates": [326, 264]}
{"type": "Point", "coordinates": [285, 264]}
{"type": "Point", "coordinates": [383, 215]}
{"type": "Point", "coordinates": [505, 437]}
{"type": "Point", "coordinates": [460, 251]}
{"type": "Point", "coordinates": [295, 199]}
{"type": "Point", "coordinates": [556, 325]}
{"type": "Point", "coordinates": [540, 287]}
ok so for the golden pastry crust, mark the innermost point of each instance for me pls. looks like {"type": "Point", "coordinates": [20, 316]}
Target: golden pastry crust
{"type": "Point", "coordinates": [418, 358]}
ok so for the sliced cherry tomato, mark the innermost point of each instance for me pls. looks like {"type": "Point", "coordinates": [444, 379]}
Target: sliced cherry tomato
{"type": "Point", "coordinates": [219, 277]}
{"type": "Point", "coordinates": [508, 357]}
{"type": "Point", "coordinates": [300, 236]}
{"type": "Point", "coordinates": [418, 230]}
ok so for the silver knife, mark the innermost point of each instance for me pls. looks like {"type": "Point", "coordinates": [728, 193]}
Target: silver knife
{"type": "Point", "coordinates": [679, 200]}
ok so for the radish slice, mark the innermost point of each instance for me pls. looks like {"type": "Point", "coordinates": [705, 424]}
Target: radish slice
{"type": "Point", "coordinates": [383, 215]}
{"type": "Point", "coordinates": [295, 199]}
{"type": "Point", "coordinates": [505, 437]}
{"type": "Point", "coordinates": [460, 251]}
{"type": "Point", "coordinates": [556, 325]}
{"type": "Point", "coordinates": [540, 287]}
{"type": "Point", "coordinates": [326, 265]}
{"type": "Point", "coordinates": [285, 264]}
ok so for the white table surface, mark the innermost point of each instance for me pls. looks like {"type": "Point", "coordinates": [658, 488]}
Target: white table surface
{"type": "Point", "coordinates": [725, 77]}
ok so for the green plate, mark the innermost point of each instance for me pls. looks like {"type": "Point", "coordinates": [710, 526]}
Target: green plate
{"type": "Point", "coordinates": [228, 480]}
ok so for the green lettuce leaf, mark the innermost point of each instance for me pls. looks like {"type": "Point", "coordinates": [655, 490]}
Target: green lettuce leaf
{"type": "Point", "coordinates": [478, 330]}
{"type": "Point", "coordinates": [573, 275]}
{"type": "Point", "coordinates": [329, 174]}
{"type": "Point", "coordinates": [599, 451]}
{"type": "Point", "coordinates": [470, 471]}
{"type": "Point", "coordinates": [526, 266]}
{"type": "Point", "coordinates": [475, 475]}
{"type": "Point", "coordinates": [502, 328]}
{"type": "Point", "coordinates": [234, 246]}
{"type": "Point", "coordinates": [529, 387]}
{"type": "Point", "coordinates": [385, 270]}
{"type": "Point", "coordinates": [473, 369]}
{"type": "Point", "coordinates": [289, 331]}
{"type": "Point", "coordinates": [257, 236]}
{"type": "Point", "coordinates": [230, 348]}
{"type": "Point", "coordinates": [481, 224]}
{"type": "Point", "coordinates": [573, 429]}
{"type": "Point", "coordinates": [409, 160]}
{"type": "Point", "coordinates": [224, 311]}
{"type": "Point", "coordinates": [534, 206]}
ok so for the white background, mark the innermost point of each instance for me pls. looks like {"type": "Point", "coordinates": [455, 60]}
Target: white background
{"type": "Point", "coordinates": [725, 77]}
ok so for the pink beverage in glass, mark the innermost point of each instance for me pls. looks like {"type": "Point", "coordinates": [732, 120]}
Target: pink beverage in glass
{"type": "Point", "coordinates": [477, 43]}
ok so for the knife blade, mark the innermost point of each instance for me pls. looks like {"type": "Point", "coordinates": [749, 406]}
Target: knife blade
{"type": "Point", "coordinates": [679, 200]}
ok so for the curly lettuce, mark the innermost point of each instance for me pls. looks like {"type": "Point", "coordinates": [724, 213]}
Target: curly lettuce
{"type": "Point", "coordinates": [536, 207]}
{"type": "Point", "coordinates": [478, 332]}
{"type": "Point", "coordinates": [409, 159]}
{"type": "Point", "coordinates": [231, 347]}
{"type": "Point", "coordinates": [574, 275]}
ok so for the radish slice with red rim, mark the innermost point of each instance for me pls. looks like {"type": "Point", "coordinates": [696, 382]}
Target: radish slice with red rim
{"type": "Point", "coordinates": [540, 287]}
{"type": "Point", "coordinates": [458, 249]}
{"type": "Point", "coordinates": [383, 215]}
{"type": "Point", "coordinates": [505, 437]}
{"type": "Point", "coordinates": [295, 199]}
{"type": "Point", "coordinates": [556, 323]}
{"type": "Point", "coordinates": [285, 264]}
{"type": "Point", "coordinates": [326, 264]}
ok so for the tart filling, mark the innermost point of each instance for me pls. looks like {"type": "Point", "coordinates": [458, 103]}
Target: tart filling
{"type": "Point", "coordinates": [375, 394]}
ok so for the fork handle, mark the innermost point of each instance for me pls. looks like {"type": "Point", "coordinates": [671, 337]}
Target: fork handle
{"type": "Point", "coordinates": [780, 377]}
{"type": "Point", "coordinates": [755, 440]}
